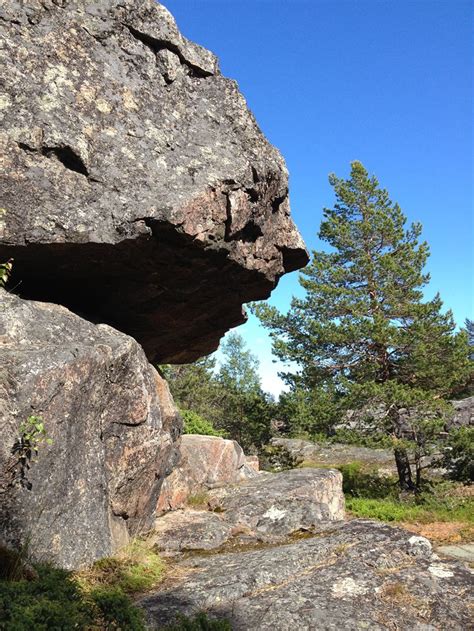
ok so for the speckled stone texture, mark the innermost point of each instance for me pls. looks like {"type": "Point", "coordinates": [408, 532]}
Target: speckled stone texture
{"type": "Point", "coordinates": [112, 421]}
{"type": "Point", "coordinates": [266, 508]}
{"type": "Point", "coordinates": [351, 576]}
{"type": "Point", "coordinates": [205, 462]}
{"type": "Point", "coordinates": [134, 176]}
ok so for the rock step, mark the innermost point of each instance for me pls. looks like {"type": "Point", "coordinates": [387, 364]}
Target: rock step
{"type": "Point", "coordinates": [268, 508]}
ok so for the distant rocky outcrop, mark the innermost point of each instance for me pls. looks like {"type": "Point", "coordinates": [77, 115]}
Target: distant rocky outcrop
{"type": "Point", "coordinates": [350, 575]}
{"type": "Point", "coordinates": [463, 413]}
{"type": "Point", "coordinates": [296, 451]}
{"type": "Point", "coordinates": [112, 423]}
{"type": "Point", "coordinates": [205, 462]}
{"type": "Point", "coordinates": [138, 189]}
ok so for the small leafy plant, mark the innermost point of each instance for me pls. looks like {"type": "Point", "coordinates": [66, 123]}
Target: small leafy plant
{"type": "Point", "coordinates": [32, 435]}
{"type": "Point", "coordinates": [5, 271]}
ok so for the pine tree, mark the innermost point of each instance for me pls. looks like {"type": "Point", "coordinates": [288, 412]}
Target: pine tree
{"type": "Point", "coordinates": [228, 401]}
{"type": "Point", "coordinates": [469, 326]}
{"type": "Point", "coordinates": [246, 409]}
{"type": "Point", "coordinates": [363, 329]}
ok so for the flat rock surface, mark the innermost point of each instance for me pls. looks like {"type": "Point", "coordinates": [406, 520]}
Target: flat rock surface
{"type": "Point", "coordinates": [352, 575]}
{"type": "Point", "coordinates": [134, 176]}
{"type": "Point", "coordinates": [184, 530]}
{"type": "Point", "coordinates": [266, 508]}
{"type": "Point", "coordinates": [463, 551]}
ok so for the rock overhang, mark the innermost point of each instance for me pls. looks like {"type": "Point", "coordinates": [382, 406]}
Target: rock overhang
{"type": "Point", "coordinates": [138, 189]}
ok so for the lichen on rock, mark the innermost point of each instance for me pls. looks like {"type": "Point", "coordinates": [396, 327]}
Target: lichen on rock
{"type": "Point", "coordinates": [136, 179]}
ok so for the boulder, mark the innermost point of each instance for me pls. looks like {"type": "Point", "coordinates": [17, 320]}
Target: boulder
{"type": "Point", "coordinates": [205, 462]}
{"type": "Point", "coordinates": [138, 189]}
{"type": "Point", "coordinates": [463, 413]}
{"type": "Point", "coordinates": [185, 530]}
{"type": "Point", "coordinates": [298, 451]}
{"type": "Point", "coordinates": [352, 575]}
{"type": "Point", "coordinates": [113, 427]}
{"type": "Point", "coordinates": [273, 506]}
{"type": "Point", "coordinates": [268, 508]}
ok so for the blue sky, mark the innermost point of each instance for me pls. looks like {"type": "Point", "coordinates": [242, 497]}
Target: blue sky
{"type": "Point", "coordinates": [387, 83]}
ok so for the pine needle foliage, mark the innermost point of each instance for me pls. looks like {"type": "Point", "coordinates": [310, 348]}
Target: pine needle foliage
{"type": "Point", "coordinates": [364, 332]}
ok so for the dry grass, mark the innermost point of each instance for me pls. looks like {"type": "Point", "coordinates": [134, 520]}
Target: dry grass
{"type": "Point", "coordinates": [443, 532]}
{"type": "Point", "coordinates": [198, 500]}
{"type": "Point", "coordinates": [135, 568]}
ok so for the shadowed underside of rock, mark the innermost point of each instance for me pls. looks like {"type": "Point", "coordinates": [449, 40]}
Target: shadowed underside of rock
{"type": "Point", "coordinates": [354, 575]}
{"type": "Point", "coordinates": [136, 180]}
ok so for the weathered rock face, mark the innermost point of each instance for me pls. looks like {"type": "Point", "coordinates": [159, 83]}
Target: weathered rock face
{"type": "Point", "coordinates": [205, 462]}
{"type": "Point", "coordinates": [135, 178]}
{"type": "Point", "coordinates": [268, 508]}
{"type": "Point", "coordinates": [272, 506]}
{"type": "Point", "coordinates": [463, 413]}
{"type": "Point", "coordinates": [353, 575]}
{"type": "Point", "coordinates": [113, 426]}
{"type": "Point", "coordinates": [298, 451]}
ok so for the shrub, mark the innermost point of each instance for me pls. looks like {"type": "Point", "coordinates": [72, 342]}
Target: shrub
{"type": "Point", "coordinates": [458, 455]}
{"type": "Point", "coordinates": [135, 568]}
{"type": "Point", "coordinates": [358, 482]}
{"type": "Point", "coordinates": [52, 601]}
{"type": "Point", "coordinates": [196, 424]}
{"type": "Point", "coordinates": [372, 440]}
{"type": "Point", "coordinates": [96, 598]}
{"type": "Point", "coordinates": [115, 610]}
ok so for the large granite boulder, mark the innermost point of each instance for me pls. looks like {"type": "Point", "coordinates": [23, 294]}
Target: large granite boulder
{"type": "Point", "coordinates": [112, 423]}
{"type": "Point", "coordinates": [352, 575]}
{"type": "Point", "coordinates": [138, 188]}
{"type": "Point", "coordinates": [205, 462]}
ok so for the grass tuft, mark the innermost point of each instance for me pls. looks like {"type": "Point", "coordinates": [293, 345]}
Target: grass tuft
{"type": "Point", "coordinates": [135, 568]}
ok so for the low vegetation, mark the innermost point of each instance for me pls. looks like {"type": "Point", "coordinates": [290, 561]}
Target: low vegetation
{"type": "Point", "coordinates": [194, 423]}
{"type": "Point", "coordinates": [370, 495]}
{"type": "Point", "coordinates": [42, 597]}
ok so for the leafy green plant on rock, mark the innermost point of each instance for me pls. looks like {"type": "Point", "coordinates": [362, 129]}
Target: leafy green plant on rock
{"type": "Point", "coordinates": [5, 271]}
{"type": "Point", "coordinates": [26, 448]}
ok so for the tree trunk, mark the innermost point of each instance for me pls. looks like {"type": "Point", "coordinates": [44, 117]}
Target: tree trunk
{"type": "Point", "coordinates": [404, 470]}
{"type": "Point", "coordinates": [418, 469]}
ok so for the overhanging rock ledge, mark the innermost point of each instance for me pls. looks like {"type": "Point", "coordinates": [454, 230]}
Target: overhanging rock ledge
{"type": "Point", "coordinates": [138, 188]}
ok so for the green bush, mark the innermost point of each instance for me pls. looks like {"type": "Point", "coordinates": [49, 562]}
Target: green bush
{"type": "Point", "coordinates": [360, 482]}
{"type": "Point", "coordinates": [115, 610]}
{"type": "Point", "coordinates": [459, 454]}
{"type": "Point", "coordinates": [374, 440]}
{"type": "Point", "coordinates": [196, 424]}
{"type": "Point", "coordinates": [200, 622]}
{"type": "Point", "coordinates": [96, 598]}
{"type": "Point", "coordinates": [53, 601]}
{"type": "Point", "coordinates": [135, 568]}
